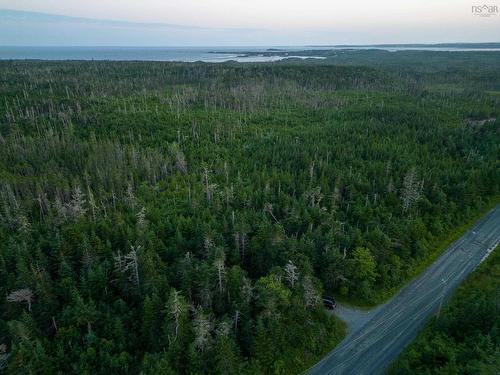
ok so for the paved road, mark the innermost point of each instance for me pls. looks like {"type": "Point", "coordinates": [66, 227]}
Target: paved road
{"type": "Point", "coordinates": [369, 348]}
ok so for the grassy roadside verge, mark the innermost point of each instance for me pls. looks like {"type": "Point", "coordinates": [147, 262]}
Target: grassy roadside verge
{"type": "Point", "coordinates": [439, 247]}
{"type": "Point", "coordinates": [333, 337]}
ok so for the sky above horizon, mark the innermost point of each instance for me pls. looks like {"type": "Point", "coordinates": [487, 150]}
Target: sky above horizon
{"type": "Point", "coordinates": [284, 21]}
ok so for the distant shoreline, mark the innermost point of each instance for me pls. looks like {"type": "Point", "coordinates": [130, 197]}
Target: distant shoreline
{"type": "Point", "coordinates": [413, 45]}
{"type": "Point", "coordinates": [227, 54]}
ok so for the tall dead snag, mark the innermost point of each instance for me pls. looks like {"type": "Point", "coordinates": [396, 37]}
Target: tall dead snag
{"type": "Point", "coordinates": [268, 207]}
{"type": "Point", "coordinates": [246, 291]}
{"type": "Point", "coordinates": [219, 265]}
{"type": "Point", "coordinates": [201, 327]}
{"type": "Point", "coordinates": [240, 240]}
{"type": "Point", "coordinates": [76, 206]}
{"type": "Point", "coordinates": [291, 273]}
{"type": "Point", "coordinates": [210, 188]}
{"type": "Point", "coordinates": [129, 263]}
{"type": "Point", "coordinates": [412, 189]}
{"type": "Point", "coordinates": [180, 161]}
{"type": "Point", "coordinates": [142, 222]}
{"type": "Point", "coordinates": [177, 307]}
{"type": "Point", "coordinates": [311, 295]}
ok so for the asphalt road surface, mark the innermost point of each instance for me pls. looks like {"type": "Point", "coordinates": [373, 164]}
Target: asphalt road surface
{"type": "Point", "coordinates": [370, 347]}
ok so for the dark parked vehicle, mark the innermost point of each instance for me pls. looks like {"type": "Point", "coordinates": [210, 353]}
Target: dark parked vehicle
{"type": "Point", "coordinates": [329, 303]}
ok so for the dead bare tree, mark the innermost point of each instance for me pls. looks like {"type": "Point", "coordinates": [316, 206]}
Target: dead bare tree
{"type": "Point", "coordinates": [76, 206]}
{"type": "Point", "coordinates": [201, 327]}
{"type": "Point", "coordinates": [209, 188]}
{"type": "Point", "coordinates": [130, 196]}
{"type": "Point", "coordinates": [240, 240]}
{"type": "Point", "coordinates": [311, 295]}
{"type": "Point", "coordinates": [412, 189]}
{"type": "Point", "coordinates": [176, 308]}
{"type": "Point", "coordinates": [180, 161]}
{"type": "Point", "coordinates": [223, 329]}
{"type": "Point", "coordinates": [314, 196]}
{"type": "Point", "coordinates": [246, 290]}
{"type": "Point", "coordinates": [21, 295]}
{"type": "Point", "coordinates": [236, 319]}
{"type": "Point", "coordinates": [129, 263]}
{"type": "Point", "coordinates": [208, 244]}
{"type": "Point", "coordinates": [142, 222]}
{"type": "Point", "coordinates": [268, 207]}
{"type": "Point", "coordinates": [291, 273]}
{"type": "Point", "coordinates": [92, 202]}
{"type": "Point", "coordinates": [219, 265]}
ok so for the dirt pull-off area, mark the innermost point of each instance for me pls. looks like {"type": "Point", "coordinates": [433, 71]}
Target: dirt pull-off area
{"type": "Point", "coordinates": [353, 317]}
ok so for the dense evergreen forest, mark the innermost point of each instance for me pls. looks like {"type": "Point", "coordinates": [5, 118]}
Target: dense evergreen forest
{"type": "Point", "coordinates": [164, 218]}
{"type": "Point", "coordinates": [465, 337]}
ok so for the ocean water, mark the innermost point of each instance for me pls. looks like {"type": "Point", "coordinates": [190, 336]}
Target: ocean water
{"type": "Point", "coordinates": [185, 54]}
